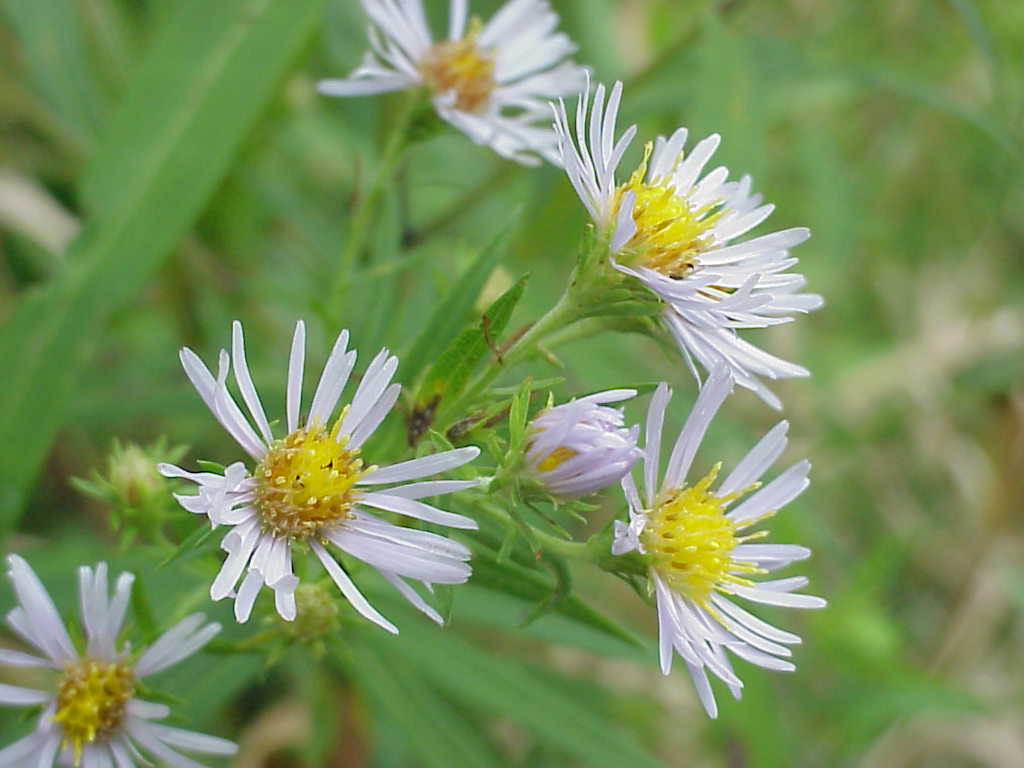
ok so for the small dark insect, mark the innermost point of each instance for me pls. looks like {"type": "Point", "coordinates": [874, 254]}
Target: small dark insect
{"type": "Point", "coordinates": [420, 419]}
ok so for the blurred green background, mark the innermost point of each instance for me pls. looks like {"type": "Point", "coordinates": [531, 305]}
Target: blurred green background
{"type": "Point", "coordinates": [208, 181]}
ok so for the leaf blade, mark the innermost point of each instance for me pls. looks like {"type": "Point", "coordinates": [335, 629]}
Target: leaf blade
{"type": "Point", "coordinates": [219, 93]}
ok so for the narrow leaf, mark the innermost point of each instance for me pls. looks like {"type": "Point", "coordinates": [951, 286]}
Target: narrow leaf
{"type": "Point", "coordinates": [440, 737]}
{"type": "Point", "coordinates": [502, 574]}
{"type": "Point", "coordinates": [451, 314]}
{"type": "Point", "coordinates": [449, 374]}
{"type": "Point", "coordinates": [199, 90]}
{"type": "Point", "coordinates": [505, 687]}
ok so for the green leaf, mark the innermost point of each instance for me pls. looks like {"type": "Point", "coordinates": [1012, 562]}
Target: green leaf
{"type": "Point", "coordinates": [52, 38]}
{"type": "Point", "coordinates": [518, 415]}
{"type": "Point", "coordinates": [142, 609]}
{"type": "Point", "coordinates": [504, 575]}
{"type": "Point", "coordinates": [439, 736]}
{"type": "Point", "coordinates": [197, 93]}
{"type": "Point", "coordinates": [449, 374]}
{"type": "Point", "coordinates": [504, 687]}
{"type": "Point", "coordinates": [491, 611]}
{"type": "Point", "coordinates": [192, 542]}
{"type": "Point", "coordinates": [451, 314]}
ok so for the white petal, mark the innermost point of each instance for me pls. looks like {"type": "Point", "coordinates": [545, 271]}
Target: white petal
{"type": "Point", "coordinates": [48, 751]}
{"type": "Point", "coordinates": [432, 488]}
{"type": "Point", "coordinates": [332, 381]}
{"type": "Point", "coordinates": [712, 394]}
{"type": "Point", "coordinates": [785, 599]}
{"type": "Point", "coordinates": [18, 659]}
{"type": "Point", "coordinates": [193, 741]}
{"type": "Point", "coordinates": [704, 692]}
{"type": "Point", "coordinates": [399, 557]}
{"type": "Point", "coordinates": [412, 596]}
{"type": "Point", "coordinates": [363, 87]}
{"type": "Point", "coordinates": [652, 438]}
{"type": "Point", "coordinates": [147, 710]}
{"type": "Point", "coordinates": [296, 365]}
{"type": "Point", "coordinates": [177, 643]}
{"type": "Point", "coordinates": [752, 622]}
{"type": "Point", "coordinates": [17, 755]}
{"type": "Point", "coordinates": [47, 629]}
{"type": "Point", "coordinates": [143, 732]}
{"type": "Point", "coordinates": [770, 553]}
{"type": "Point", "coordinates": [757, 461]}
{"type": "Point", "coordinates": [121, 754]}
{"type": "Point", "coordinates": [22, 697]}
{"type": "Point", "coordinates": [374, 416]}
{"type": "Point", "coordinates": [244, 380]}
{"type": "Point", "coordinates": [247, 595]}
{"type": "Point", "coordinates": [284, 604]}
{"type": "Point", "coordinates": [349, 590]}
{"type": "Point", "coordinates": [119, 605]}
{"type": "Point", "coordinates": [762, 659]}
{"type": "Point", "coordinates": [421, 467]}
{"type": "Point", "coordinates": [243, 543]}
{"type": "Point", "coordinates": [457, 18]}
{"type": "Point", "coordinates": [777, 494]}
{"type": "Point", "coordinates": [370, 390]}
{"type": "Point", "coordinates": [418, 509]}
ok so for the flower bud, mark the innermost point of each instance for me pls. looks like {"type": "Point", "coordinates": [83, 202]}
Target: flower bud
{"type": "Point", "coordinates": [132, 475]}
{"type": "Point", "coordinates": [317, 614]}
{"type": "Point", "coordinates": [581, 446]}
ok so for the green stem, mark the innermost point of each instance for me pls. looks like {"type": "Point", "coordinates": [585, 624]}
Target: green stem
{"type": "Point", "coordinates": [571, 550]}
{"type": "Point", "coordinates": [565, 312]}
{"type": "Point", "coordinates": [365, 207]}
{"type": "Point", "coordinates": [586, 285]}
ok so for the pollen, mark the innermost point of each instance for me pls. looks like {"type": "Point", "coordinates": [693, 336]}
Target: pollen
{"type": "Point", "coordinates": [463, 68]}
{"type": "Point", "coordinates": [671, 233]}
{"type": "Point", "coordinates": [92, 697]}
{"type": "Point", "coordinates": [690, 540]}
{"type": "Point", "coordinates": [556, 458]}
{"type": "Point", "coordinates": [307, 481]}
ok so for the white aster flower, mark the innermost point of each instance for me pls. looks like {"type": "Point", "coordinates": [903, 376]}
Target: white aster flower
{"type": "Point", "coordinates": [93, 718]}
{"type": "Point", "coordinates": [697, 546]}
{"type": "Point", "coordinates": [580, 447]}
{"type": "Point", "coordinates": [491, 81]}
{"type": "Point", "coordinates": [313, 487]}
{"type": "Point", "coordinates": [673, 230]}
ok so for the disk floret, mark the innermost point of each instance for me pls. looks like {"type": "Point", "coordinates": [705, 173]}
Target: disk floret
{"type": "Point", "coordinates": [307, 481]}
{"type": "Point", "coordinates": [556, 458]}
{"type": "Point", "coordinates": [690, 540]}
{"type": "Point", "coordinates": [671, 232]}
{"type": "Point", "coordinates": [92, 697]}
{"type": "Point", "coordinates": [463, 68]}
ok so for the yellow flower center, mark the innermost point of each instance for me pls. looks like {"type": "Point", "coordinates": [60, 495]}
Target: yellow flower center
{"type": "Point", "coordinates": [307, 481]}
{"type": "Point", "coordinates": [556, 458]}
{"type": "Point", "coordinates": [670, 232]}
{"type": "Point", "coordinates": [690, 540]}
{"type": "Point", "coordinates": [460, 66]}
{"type": "Point", "coordinates": [91, 700]}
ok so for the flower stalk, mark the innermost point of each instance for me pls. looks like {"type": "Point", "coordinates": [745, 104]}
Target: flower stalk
{"type": "Point", "coordinates": [365, 206]}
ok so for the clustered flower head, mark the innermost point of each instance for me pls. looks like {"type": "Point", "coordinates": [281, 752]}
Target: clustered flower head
{"type": "Point", "coordinates": [580, 447]}
{"type": "Point", "coordinates": [702, 549]}
{"type": "Point", "coordinates": [313, 486]}
{"type": "Point", "coordinates": [92, 717]}
{"type": "Point", "coordinates": [671, 227]}
{"type": "Point", "coordinates": [490, 80]}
